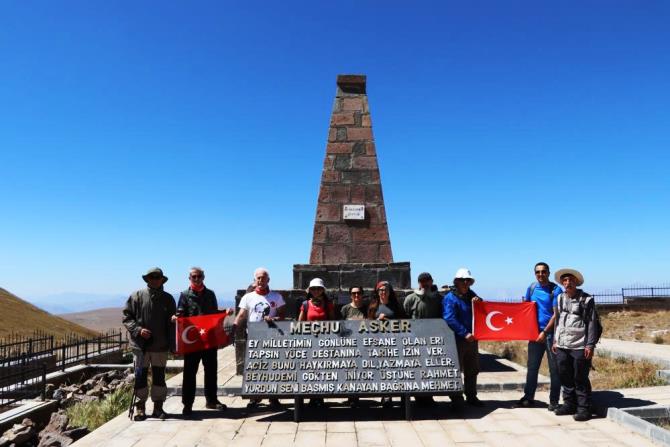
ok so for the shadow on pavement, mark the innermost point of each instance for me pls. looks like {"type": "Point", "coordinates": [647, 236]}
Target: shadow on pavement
{"type": "Point", "coordinates": [490, 363]}
{"type": "Point", "coordinates": [371, 410]}
{"type": "Point", "coordinates": [602, 400]}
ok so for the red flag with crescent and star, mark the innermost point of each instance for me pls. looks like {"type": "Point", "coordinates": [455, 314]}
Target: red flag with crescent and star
{"type": "Point", "coordinates": [202, 332]}
{"type": "Point", "coordinates": [504, 321]}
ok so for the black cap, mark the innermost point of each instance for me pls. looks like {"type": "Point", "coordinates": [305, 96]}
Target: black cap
{"type": "Point", "coordinates": [425, 276]}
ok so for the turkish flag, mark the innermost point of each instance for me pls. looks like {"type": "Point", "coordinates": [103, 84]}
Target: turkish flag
{"type": "Point", "coordinates": [504, 321]}
{"type": "Point", "coordinates": [202, 332]}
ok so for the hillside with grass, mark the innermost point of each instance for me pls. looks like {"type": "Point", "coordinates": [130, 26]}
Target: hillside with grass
{"type": "Point", "coordinates": [20, 317]}
{"type": "Point", "coordinates": [101, 320]}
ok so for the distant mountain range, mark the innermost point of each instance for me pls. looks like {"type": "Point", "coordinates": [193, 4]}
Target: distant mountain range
{"type": "Point", "coordinates": [70, 302]}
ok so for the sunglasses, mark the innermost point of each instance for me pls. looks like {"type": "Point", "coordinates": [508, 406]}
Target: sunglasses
{"type": "Point", "coordinates": [382, 290]}
{"type": "Point", "coordinates": [197, 276]}
{"type": "Point", "coordinates": [356, 293]}
{"type": "Point", "coordinates": [155, 277]}
{"type": "Point", "coordinates": [541, 272]}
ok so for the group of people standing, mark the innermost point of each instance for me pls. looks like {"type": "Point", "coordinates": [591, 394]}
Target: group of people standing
{"type": "Point", "coordinates": [149, 317]}
{"type": "Point", "coordinates": [565, 319]}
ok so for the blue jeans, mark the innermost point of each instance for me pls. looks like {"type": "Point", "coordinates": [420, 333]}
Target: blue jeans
{"type": "Point", "coordinates": [535, 353]}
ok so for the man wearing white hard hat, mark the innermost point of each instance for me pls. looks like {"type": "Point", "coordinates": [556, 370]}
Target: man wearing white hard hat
{"type": "Point", "coordinates": [261, 304]}
{"type": "Point", "coordinates": [577, 332]}
{"type": "Point", "coordinates": [457, 312]}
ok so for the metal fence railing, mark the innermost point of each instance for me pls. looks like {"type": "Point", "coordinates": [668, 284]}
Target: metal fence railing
{"type": "Point", "coordinates": [16, 346]}
{"type": "Point", "coordinates": [75, 350]}
{"type": "Point", "coordinates": [625, 295]}
{"type": "Point", "coordinates": [25, 360]}
{"type": "Point", "coordinates": [25, 381]}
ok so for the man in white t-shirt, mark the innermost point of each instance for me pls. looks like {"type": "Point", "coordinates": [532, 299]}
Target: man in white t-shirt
{"type": "Point", "coordinates": [261, 304]}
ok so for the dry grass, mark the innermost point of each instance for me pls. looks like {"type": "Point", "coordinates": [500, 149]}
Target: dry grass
{"type": "Point", "coordinates": [20, 317]}
{"type": "Point", "coordinates": [637, 325]}
{"type": "Point", "coordinates": [607, 373]}
{"type": "Point", "coordinates": [96, 413]}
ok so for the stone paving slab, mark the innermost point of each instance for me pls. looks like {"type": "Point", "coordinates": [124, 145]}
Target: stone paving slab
{"type": "Point", "coordinates": [497, 424]}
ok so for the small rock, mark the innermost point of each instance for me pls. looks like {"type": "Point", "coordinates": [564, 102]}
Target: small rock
{"type": "Point", "coordinates": [639, 326]}
{"type": "Point", "coordinates": [49, 389]}
{"type": "Point", "coordinates": [51, 439]}
{"type": "Point", "coordinates": [18, 435]}
{"type": "Point", "coordinates": [58, 394]}
{"type": "Point", "coordinates": [58, 421]}
{"type": "Point", "coordinates": [76, 433]}
{"type": "Point", "coordinates": [90, 383]}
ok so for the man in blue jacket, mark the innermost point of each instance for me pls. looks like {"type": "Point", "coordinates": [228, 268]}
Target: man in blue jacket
{"type": "Point", "coordinates": [457, 312]}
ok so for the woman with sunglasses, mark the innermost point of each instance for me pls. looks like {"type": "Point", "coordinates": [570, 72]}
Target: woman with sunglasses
{"type": "Point", "coordinates": [355, 310]}
{"type": "Point", "coordinates": [384, 305]}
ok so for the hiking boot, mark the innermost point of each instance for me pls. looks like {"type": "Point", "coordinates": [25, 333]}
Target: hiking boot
{"type": "Point", "coordinates": [581, 416]}
{"type": "Point", "coordinates": [158, 412]}
{"type": "Point", "coordinates": [216, 405]}
{"type": "Point", "coordinates": [524, 403]}
{"type": "Point", "coordinates": [187, 411]}
{"type": "Point", "coordinates": [552, 406]}
{"type": "Point", "coordinates": [140, 412]}
{"type": "Point", "coordinates": [387, 402]}
{"type": "Point", "coordinates": [564, 410]}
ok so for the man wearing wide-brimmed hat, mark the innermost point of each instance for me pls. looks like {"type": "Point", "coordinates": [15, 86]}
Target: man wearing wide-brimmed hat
{"type": "Point", "coordinates": [147, 316]}
{"type": "Point", "coordinates": [574, 341]}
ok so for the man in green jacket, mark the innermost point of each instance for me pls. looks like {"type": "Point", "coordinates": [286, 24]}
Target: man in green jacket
{"type": "Point", "coordinates": [148, 318]}
{"type": "Point", "coordinates": [425, 302]}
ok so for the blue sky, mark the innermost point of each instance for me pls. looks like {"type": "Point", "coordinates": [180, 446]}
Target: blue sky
{"type": "Point", "coordinates": [135, 134]}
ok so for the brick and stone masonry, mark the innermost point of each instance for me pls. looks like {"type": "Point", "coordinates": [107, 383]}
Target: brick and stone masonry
{"type": "Point", "coordinates": [348, 252]}
{"type": "Point", "coordinates": [350, 176]}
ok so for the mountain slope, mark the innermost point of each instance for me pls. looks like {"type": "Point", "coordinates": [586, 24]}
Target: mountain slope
{"type": "Point", "coordinates": [20, 317]}
{"type": "Point", "coordinates": [98, 320]}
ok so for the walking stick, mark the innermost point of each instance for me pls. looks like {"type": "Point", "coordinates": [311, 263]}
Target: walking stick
{"type": "Point", "coordinates": [139, 361]}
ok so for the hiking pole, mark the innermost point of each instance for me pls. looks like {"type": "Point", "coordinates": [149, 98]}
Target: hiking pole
{"type": "Point", "coordinates": [139, 361]}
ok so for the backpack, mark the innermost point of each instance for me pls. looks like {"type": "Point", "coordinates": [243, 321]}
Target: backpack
{"type": "Point", "coordinates": [582, 307]}
{"type": "Point", "coordinates": [533, 286]}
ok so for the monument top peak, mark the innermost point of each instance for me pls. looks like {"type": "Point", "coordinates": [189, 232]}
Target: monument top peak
{"type": "Point", "coordinates": [351, 83]}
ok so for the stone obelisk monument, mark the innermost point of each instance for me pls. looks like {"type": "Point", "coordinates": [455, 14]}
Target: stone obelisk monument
{"type": "Point", "coordinates": [351, 244]}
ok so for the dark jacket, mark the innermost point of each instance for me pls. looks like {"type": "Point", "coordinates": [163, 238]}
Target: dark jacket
{"type": "Point", "coordinates": [421, 304]}
{"type": "Point", "coordinates": [151, 309]}
{"type": "Point", "coordinates": [192, 304]}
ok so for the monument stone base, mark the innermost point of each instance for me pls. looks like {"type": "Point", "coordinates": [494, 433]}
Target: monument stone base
{"type": "Point", "coordinates": [344, 276]}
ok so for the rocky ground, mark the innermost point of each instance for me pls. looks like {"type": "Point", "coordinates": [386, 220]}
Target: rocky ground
{"type": "Point", "coordinates": [58, 432]}
{"type": "Point", "coordinates": [643, 326]}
